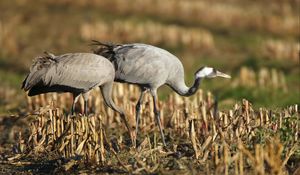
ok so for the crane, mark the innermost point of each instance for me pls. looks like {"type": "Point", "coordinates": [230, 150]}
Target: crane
{"type": "Point", "coordinates": [150, 67]}
{"type": "Point", "coordinates": [77, 73]}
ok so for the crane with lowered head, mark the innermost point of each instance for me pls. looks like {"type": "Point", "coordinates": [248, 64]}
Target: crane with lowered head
{"type": "Point", "coordinates": [150, 67]}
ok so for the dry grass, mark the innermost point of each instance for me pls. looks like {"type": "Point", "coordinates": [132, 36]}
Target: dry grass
{"type": "Point", "coordinates": [276, 49]}
{"type": "Point", "coordinates": [149, 32]}
{"type": "Point", "coordinates": [263, 78]}
{"type": "Point", "coordinates": [6, 94]}
{"type": "Point", "coordinates": [199, 137]}
{"type": "Point", "coordinates": [278, 18]}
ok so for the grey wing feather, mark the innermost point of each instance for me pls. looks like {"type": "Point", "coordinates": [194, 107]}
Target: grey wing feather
{"type": "Point", "coordinates": [139, 64]}
{"type": "Point", "coordinates": [31, 80]}
{"type": "Point", "coordinates": [83, 71]}
{"type": "Point", "coordinates": [24, 82]}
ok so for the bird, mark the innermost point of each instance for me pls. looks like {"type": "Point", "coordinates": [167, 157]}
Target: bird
{"type": "Point", "coordinates": [77, 73]}
{"type": "Point", "coordinates": [150, 67]}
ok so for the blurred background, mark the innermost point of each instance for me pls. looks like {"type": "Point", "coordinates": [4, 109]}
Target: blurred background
{"type": "Point", "coordinates": [256, 41]}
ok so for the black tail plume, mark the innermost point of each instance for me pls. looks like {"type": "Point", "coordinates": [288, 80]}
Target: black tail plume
{"type": "Point", "coordinates": [105, 44]}
{"type": "Point", "coordinates": [104, 49]}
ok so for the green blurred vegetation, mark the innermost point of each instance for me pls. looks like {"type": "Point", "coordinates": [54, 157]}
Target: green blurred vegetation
{"type": "Point", "coordinates": [27, 28]}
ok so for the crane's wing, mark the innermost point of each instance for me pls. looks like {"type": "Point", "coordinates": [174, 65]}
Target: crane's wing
{"type": "Point", "coordinates": [141, 64]}
{"type": "Point", "coordinates": [37, 71]}
{"type": "Point", "coordinates": [24, 82]}
{"type": "Point", "coordinates": [81, 71]}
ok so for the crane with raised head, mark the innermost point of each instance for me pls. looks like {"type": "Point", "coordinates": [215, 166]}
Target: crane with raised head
{"type": "Point", "coordinates": [77, 73]}
{"type": "Point", "coordinates": [150, 67]}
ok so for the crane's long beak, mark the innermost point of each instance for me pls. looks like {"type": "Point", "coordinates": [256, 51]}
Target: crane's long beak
{"type": "Point", "coordinates": [221, 74]}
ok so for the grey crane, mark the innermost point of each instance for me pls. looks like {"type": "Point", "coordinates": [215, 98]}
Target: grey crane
{"type": "Point", "coordinates": [150, 67]}
{"type": "Point", "coordinates": [76, 73]}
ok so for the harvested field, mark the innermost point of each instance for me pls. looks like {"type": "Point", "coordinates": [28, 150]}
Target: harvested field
{"type": "Point", "coordinates": [245, 125]}
{"type": "Point", "coordinates": [200, 138]}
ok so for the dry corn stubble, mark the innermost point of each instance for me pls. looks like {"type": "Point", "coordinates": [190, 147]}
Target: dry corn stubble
{"type": "Point", "coordinates": [235, 141]}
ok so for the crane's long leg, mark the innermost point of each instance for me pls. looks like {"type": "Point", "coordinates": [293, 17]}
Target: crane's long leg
{"type": "Point", "coordinates": [138, 110]}
{"type": "Point", "coordinates": [157, 115]}
{"type": "Point", "coordinates": [75, 99]}
{"type": "Point", "coordinates": [85, 98]}
{"type": "Point", "coordinates": [106, 90]}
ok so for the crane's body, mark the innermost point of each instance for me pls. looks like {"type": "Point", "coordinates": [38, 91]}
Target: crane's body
{"type": "Point", "coordinates": [76, 73]}
{"type": "Point", "coordinates": [141, 64]}
{"type": "Point", "coordinates": [151, 67]}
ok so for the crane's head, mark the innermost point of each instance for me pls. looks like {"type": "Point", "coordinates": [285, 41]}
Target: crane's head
{"type": "Point", "coordinates": [209, 72]}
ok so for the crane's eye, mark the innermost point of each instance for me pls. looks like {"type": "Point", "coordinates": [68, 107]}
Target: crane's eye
{"type": "Point", "coordinates": [39, 67]}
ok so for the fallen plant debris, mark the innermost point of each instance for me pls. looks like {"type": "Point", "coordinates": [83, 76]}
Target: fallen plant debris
{"type": "Point", "coordinates": [199, 139]}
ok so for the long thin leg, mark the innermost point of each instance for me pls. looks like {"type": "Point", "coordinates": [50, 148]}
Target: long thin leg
{"type": "Point", "coordinates": [157, 115]}
{"type": "Point", "coordinates": [85, 98]}
{"type": "Point", "coordinates": [75, 99]}
{"type": "Point", "coordinates": [138, 110]}
{"type": "Point", "coordinates": [106, 90]}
